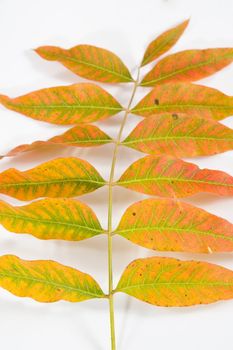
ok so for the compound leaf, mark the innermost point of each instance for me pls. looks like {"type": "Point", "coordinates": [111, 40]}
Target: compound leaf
{"type": "Point", "coordinates": [78, 136]}
{"type": "Point", "coordinates": [163, 43]}
{"type": "Point", "coordinates": [172, 282]}
{"type": "Point", "coordinates": [180, 135]}
{"type": "Point", "coordinates": [89, 62]}
{"type": "Point", "coordinates": [79, 103]}
{"type": "Point", "coordinates": [171, 177]}
{"type": "Point", "coordinates": [62, 177]}
{"type": "Point", "coordinates": [46, 281]}
{"type": "Point", "coordinates": [169, 225]}
{"type": "Point", "coordinates": [60, 218]}
{"type": "Point", "coordinates": [188, 66]}
{"type": "Point", "coordinates": [185, 98]}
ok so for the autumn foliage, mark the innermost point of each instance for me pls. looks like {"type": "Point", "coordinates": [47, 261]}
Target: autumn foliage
{"type": "Point", "coordinates": [180, 119]}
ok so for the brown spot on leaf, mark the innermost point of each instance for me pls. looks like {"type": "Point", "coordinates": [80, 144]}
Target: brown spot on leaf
{"type": "Point", "coordinates": [175, 116]}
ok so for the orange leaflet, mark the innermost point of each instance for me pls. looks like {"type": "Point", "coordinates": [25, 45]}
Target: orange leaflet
{"type": "Point", "coordinates": [180, 135]}
{"type": "Point", "coordinates": [172, 282]}
{"type": "Point", "coordinates": [189, 65]}
{"type": "Point", "coordinates": [163, 43]}
{"type": "Point", "coordinates": [78, 136]}
{"type": "Point", "coordinates": [79, 103]}
{"type": "Point", "coordinates": [62, 177]}
{"type": "Point", "coordinates": [168, 225]}
{"type": "Point", "coordinates": [46, 281]}
{"type": "Point", "coordinates": [89, 62]}
{"type": "Point", "coordinates": [171, 177]}
{"type": "Point", "coordinates": [185, 98]}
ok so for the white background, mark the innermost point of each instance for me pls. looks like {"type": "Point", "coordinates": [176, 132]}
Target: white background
{"type": "Point", "coordinates": [125, 27]}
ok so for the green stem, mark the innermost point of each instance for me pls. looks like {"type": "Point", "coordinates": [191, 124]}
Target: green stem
{"type": "Point", "coordinates": [110, 205]}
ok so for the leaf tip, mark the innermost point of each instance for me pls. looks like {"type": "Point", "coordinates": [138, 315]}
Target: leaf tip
{"type": "Point", "coordinates": [4, 100]}
{"type": "Point", "coordinates": [48, 52]}
{"type": "Point", "coordinates": [186, 22]}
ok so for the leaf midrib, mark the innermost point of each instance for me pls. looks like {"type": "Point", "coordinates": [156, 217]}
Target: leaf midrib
{"type": "Point", "coordinates": [77, 107]}
{"type": "Point", "coordinates": [50, 222]}
{"type": "Point", "coordinates": [109, 140]}
{"type": "Point", "coordinates": [181, 105]}
{"type": "Point", "coordinates": [34, 183]}
{"type": "Point", "coordinates": [167, 228]}
{"type": "Point", "coordinates": [213, 284]}
{"type": "Point", "coordinates": [155, 138]}
{"type": "Point", "coordinates": [169, 179]}
{"type": "Point", "coordinates": [55, 284]}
